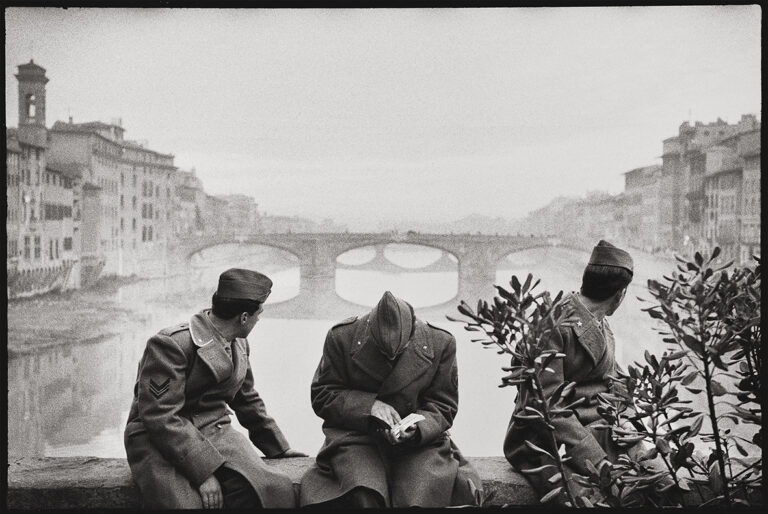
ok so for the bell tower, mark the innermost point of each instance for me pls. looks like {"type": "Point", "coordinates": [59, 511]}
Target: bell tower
{"type": "Point", "coordinates": [32, 82]}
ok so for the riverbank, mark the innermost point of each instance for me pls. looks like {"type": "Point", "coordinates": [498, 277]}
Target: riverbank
{"type": "Point", "coordinates": [74, 316]}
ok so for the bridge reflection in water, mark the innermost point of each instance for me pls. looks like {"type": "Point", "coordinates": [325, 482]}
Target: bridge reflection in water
{"type": "Point", "coordinates": [476, 259]}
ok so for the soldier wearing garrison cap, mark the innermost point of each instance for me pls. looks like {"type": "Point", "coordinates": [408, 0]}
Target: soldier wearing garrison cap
{"type": "Point", "coordinates": [589, 348]}
{"type": "Point", "coordinates": [180, 444]}
{"type": "Point", "coordinates": [375, 370]}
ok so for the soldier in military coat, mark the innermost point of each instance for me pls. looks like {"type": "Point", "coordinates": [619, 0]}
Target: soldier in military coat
{"type": "Point", "coordinates": [180, 444]}
{"type": "Point", "coordinates": [589, 348]}
{"type": "Point", "coordinates": [388, 364]}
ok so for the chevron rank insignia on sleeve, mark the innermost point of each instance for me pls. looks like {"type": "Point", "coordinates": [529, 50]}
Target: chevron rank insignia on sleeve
{"type": "Point", "coordinates": [159, 389]}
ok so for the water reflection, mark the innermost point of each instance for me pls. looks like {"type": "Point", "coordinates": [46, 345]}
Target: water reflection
{"type": "Point", "coordinates": [424, 276]}
{"type": "Point", "coordinates": [73, 400]}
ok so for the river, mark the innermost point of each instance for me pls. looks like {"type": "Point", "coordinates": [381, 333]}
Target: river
{"type": "Point", "coordinates": [73, 399]}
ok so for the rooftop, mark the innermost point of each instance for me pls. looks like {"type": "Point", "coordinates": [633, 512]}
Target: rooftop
{"type": "Point", "coordinates": [68, 169]}
{"type": "Point", "coordinates": [93, 127]}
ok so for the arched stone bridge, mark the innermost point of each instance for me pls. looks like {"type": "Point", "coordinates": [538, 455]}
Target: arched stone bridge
{"type": "Point", "coordinates": [477, 257]}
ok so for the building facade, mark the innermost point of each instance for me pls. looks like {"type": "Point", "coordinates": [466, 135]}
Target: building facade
{"type": "Point", "coordinates": [189, 204]}
{"type": "Point", "coordinates": [128, 189]}
{"type": "Point", "coordinates": [748, 149]}
{"type": "Point", "coordinates": [642, 208]}
{"type": "Point", "coordinates": [39, 217]}
{"type": "Point", "coordinates": [243, 214]}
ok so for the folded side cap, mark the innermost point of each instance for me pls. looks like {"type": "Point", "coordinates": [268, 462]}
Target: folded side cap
{"type": "Point", "coordinates": [244, 284]}
{"type": "Point", "coordinates": [391, 324]}
{"type": "Point", "coordinates": [606, 254]}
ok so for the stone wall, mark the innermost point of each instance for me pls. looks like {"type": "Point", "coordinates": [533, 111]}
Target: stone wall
{"type": "Point", "coordinates": [93, 483]}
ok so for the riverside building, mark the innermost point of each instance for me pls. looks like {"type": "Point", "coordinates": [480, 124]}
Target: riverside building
{"type": "Point", "coordinates": [39, 213]}
{"type": "Point", "coordinates": [126, 196]}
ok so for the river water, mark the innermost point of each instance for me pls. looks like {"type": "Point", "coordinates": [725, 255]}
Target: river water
{"type": "Point", "coordinates": [73, 400]}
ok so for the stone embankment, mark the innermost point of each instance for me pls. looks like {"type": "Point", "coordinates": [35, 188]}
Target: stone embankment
{"type": "Point", "coordinates": [94, 483]}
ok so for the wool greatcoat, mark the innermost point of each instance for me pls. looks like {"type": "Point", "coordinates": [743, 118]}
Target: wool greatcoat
{"type": "Point", "coordinates": [427, 471]}
{"type": "Point", "coordinates": [589, 349]}
{"type": "Point", "coordinates": [179, 429]}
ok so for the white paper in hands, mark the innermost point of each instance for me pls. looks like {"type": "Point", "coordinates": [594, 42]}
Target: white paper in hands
{"type": "Point", "coordinates": [409, 420]}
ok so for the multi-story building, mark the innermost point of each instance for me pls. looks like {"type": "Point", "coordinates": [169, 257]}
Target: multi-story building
{"type": "Point", "coordinates": [748, 149]}
{"type": "Point", "coordinates": [243, 213]}
{"type": "Point", "coordinates": [189, 205]}
{"type": "Point", "coordinates": [722, 189]}
{"type": "Point", "coordinates": [37, 229]}
{"type": "Point", "coordinates": [216, 219]}
{"type": "Point", "coordinates": [126, 196]}
{"type": "Point", "coordinates": [56, 213]}
{"type": "Point", "coordinates": [642, 208]}
{"type": "Point", "coordinates": [732, 192]}
{"type": "Point", "coordinates": [683, 170]}
{"type": "Point", "coordinates": [12, 198]}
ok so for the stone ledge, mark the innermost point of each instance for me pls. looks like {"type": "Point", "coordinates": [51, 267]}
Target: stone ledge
{"type": "Point", "coordinates": [94, 483]}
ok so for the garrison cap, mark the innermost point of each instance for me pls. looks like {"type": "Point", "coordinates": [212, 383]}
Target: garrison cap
{"type": "Point", "coordinates": [391, 325]}
{"type": "Point", "coordinates": [244, 284]}
{"type": "Point", "coordinates": [605, 254]}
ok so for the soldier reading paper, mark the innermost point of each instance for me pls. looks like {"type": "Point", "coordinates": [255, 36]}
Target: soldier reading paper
{"type": "Point", "coordinates": [376, 370]}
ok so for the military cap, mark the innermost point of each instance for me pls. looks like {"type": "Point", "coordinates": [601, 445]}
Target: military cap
{"type": "Point", "coordinates": [391, 324]}
{"type": "Point", "coordinates": [605, 254]}
{"type": "Point", "coordinates": [244, 284]}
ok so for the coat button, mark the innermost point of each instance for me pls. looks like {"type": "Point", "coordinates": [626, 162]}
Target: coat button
{"type": "Point", "coordinates": [359, 342]}
{"type": "Point", "coordinates": [424, 347]}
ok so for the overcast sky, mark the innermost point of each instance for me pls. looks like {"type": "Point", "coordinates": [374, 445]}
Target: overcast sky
{"type": "Point", "coordinates": [370, 116]}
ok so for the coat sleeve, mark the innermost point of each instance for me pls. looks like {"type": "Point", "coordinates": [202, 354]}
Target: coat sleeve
{"type": "Point", "coordinates": [332, 397]}
{"type": "Point", "coordinates": [252, 414]}
{"type": "Point", "coordinates": [440, 401]}
{"type": "Point", "coordinates": [579, 442]}
{"type": "Point", "coordinates": [160, 390]}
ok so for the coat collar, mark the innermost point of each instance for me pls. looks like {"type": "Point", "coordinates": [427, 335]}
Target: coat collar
{"type": "Point", "coordinates": [588, 330]}
{"type": "Point", "coordinates": [210, 346]}
{"type": "Point", "coordinates": [413, 362]}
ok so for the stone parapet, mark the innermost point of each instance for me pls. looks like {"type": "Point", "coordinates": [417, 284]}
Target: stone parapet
{"type": "Point", "coordinates": [93, 483]}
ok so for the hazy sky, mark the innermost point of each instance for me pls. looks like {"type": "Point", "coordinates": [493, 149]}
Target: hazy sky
{"type": "Point", "coordinates": [370, 116]}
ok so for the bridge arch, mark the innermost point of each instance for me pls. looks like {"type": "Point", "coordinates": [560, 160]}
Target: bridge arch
{"type": "Point", "coordinates": [443, 249]}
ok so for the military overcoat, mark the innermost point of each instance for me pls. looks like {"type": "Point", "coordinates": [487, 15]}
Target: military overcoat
{"type": "Point", "coordinates": [179, 429]}
{"type": "Point", "coordinates": [589, 349]}
{"type": "Point", "coordinates": [428, 471]}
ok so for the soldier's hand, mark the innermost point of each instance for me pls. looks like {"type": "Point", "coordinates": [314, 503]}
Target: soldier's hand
{"type": "Point", "coordinates": [400, 437]}
{"type": "Point", "coordinates": [385, 412]}
{"type": "Point", "coordinates": [210, 492]}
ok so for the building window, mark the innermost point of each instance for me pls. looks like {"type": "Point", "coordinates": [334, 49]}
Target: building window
{"type": "Point", "coordinates": [134, 224]}
{"type": "Point", "coordinates": [67, 243]}
{"type": "Point", "coordinates": [149, 235]}
{"type": "Point", "coordinates": [31, 106]}
{"type": "Point", "coordinates": [121, 201]}
{"type": "Point", "coordinates": [37, 247]}
{"type": "Point", "coordinates": [27, 249]}
{"type": "Point", "coordinates": [57, 248]}
{"type": "Point", "coordinates": [134, 202]}
{"type": "Point", "coordinates": [143, 233]}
